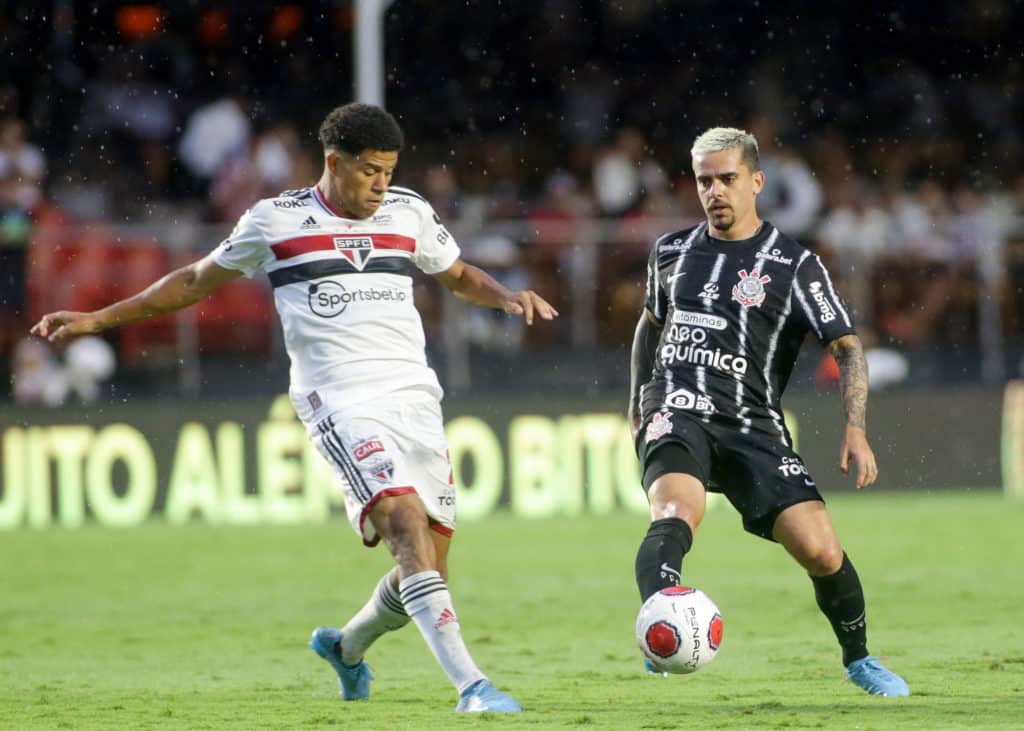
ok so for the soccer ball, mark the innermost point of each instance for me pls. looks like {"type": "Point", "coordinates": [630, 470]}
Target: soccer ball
{"type": "Point", "coordinates": [679, 629]}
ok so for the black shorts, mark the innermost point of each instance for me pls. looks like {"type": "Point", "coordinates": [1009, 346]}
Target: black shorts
{"type": "Point", "coordinates": [759, 474]}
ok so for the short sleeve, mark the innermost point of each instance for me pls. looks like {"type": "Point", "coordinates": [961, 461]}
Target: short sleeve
{"type": "Point", "coordinates": [245, 249]}
{"type": "Point", "coordinates": [655, 298]}
{"type": "Point", "coordinates": [821, 306]}
{"type": "Point", "coordinates": [436, 248]}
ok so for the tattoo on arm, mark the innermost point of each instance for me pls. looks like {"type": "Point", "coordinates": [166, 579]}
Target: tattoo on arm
{"type": "Point", "coordinates": [853, 378]}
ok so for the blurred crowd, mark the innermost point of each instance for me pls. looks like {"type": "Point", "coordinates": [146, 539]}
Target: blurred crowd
{"type": "Point", "coordinates": [554, 141]}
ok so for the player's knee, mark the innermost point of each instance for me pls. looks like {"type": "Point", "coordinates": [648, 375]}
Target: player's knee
{"type": "Point", "coordinates": [685, 510]}
{"type": "Point", "coordinates": [821, 558]}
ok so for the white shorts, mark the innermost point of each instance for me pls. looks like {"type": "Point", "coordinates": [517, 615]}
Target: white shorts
{"type": "Point", "coordinates": [389, 446]}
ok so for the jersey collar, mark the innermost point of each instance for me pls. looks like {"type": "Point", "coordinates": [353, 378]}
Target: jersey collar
{"type": "Point", "coordinates": [322, 200]}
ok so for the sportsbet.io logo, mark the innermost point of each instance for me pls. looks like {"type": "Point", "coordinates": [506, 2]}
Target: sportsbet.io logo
{"type": "Point", "coordinates": [330, 299]}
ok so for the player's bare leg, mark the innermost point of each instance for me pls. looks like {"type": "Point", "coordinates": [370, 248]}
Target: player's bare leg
{"type": "Point", "coordinates": [402, 523]}
{"type": "Point", "coordinates": [384, 611]}
{"type": "Point", "coordinates": [805, 530]}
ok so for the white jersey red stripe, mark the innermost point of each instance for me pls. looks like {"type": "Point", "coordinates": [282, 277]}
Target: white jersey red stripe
{"type": "Point", "coordinates": [306, 244]}
{"type": "Point", "coordinates": [343, 290]}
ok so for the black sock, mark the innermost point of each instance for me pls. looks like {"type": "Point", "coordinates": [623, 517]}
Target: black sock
{"type": "Point", "coordinates": [841, 598]}
{"type": "Point", "coordinates": [660, 557]}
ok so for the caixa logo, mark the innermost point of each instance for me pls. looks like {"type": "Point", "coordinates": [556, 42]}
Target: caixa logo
{"type": "Point", "coordinates": [330, 299]}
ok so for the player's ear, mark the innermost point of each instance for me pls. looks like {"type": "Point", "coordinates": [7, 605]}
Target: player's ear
{"type": "Point", "coordinates": [758, 181]}
{"type": "Point", "coordinates": [331, 160]}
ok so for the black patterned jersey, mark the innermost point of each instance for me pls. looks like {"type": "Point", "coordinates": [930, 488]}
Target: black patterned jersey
{"type": "Point", "coordinates": [734, 314]}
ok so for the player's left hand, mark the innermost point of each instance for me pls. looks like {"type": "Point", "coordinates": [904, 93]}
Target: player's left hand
{"type": "Point", "coordinates": [526, 303]}
{"type": "Point", "coordinates": [855, 447]}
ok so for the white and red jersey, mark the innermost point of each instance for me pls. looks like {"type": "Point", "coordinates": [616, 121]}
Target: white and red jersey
{"type": "Point", "coordinates": [343, 290]}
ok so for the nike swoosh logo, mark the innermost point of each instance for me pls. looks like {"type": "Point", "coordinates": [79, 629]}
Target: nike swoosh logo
{"type": "Point", "coordinates": [809, 482]}
{"type": "Point", "coordinates": [674, 277]}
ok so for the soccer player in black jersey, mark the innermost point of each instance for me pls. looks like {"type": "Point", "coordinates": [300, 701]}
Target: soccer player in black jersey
{"type": "Point", "coordinates": [728, 304]}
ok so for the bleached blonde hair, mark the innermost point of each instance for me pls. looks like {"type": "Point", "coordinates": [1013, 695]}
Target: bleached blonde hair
{"type": "Point", "coordinates": [717, 139]}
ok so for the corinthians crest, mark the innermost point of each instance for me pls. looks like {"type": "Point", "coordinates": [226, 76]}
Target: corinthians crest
{"type": "Point", "coordinates": [749, 292]}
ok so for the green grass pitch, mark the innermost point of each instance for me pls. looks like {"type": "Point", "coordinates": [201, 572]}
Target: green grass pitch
{"type": "Point", "coordinates": [206, 628]}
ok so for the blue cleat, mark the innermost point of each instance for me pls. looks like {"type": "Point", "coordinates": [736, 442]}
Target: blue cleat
{"type": "Point", "coordinates": [483, 697]}
{"type": "Point", "coordinates": [354, 679]}
{"type": "Point", "coordinates": [651, 669]}
{"type": "Point", "coordinates": [875, 678]}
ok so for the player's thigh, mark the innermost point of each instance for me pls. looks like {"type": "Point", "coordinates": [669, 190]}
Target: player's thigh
{"type": "Point", "coordinates": [806, 531]}
{"type": "Point", "coordinates": [401, 522]}
{"type": "Point", "coordinates": [674, 475]}
{"type": "Point", "coordinates": [761, 476]}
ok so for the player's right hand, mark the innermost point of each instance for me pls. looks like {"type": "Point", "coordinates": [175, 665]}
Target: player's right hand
{"type": "Point", "coordinates": [64, 324]}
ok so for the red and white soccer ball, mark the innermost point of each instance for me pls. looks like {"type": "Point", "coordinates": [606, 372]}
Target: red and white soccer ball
{"type": "Point", "coordinates": [679, 629]}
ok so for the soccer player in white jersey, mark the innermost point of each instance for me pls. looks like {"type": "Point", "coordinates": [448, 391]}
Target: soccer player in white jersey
{"type": "Point", "coordinates": [340, 256]}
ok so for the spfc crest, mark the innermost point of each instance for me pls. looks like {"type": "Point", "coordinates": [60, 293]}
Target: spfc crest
{"type": "Point", "coordinates": [749, 292]}
{"type": "Point", "coordinates": [382, 471]}
{"type": "Point", "coordinates": [356, 249]}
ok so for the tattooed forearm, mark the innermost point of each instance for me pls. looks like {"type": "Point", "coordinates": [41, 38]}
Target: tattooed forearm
{"type": "Point", "coordinates": [853, 378]}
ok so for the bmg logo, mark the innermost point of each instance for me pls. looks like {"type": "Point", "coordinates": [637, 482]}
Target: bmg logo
{"type": "Point", "coordinates": [328, 299]}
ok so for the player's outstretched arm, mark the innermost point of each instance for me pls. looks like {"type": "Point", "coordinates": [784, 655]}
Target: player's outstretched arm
{"type": "Point", "coordinates": [475, 286]}
{"type": "Point", "coordinates": [853, 387]}
{"type": "Point", "coordinates": [641, 362]}
{"type": "Point", "coordinates": [173, 291]}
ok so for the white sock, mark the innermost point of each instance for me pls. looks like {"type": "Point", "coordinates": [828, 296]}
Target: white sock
{"type": "Point", "coordinates": [428, 602]}
{"type": "Point", "coordinates": [382, 613]}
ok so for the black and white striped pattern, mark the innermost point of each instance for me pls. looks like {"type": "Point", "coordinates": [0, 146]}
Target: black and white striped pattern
{"type": "Point", "coordinates": [742, 410]}
{"type": "Point", "coordinates": [391, 599]}
{"type": "Point", "coordinates": [335, 447]}
{"type": "Point", "coordinates": [713, 277]}
{"type": "Point", "coordinates": [837, 301]}
{"type": "Point", "coordinates": [416, 587]}
{"type": "Point", "coordinates": [742, 355]}
{"type": "Point", "coordinates": [677, 272]}
{"type": "Point", "coordinates": [773, 344]}
{"type": "Point", "coordinates": [655, 282]}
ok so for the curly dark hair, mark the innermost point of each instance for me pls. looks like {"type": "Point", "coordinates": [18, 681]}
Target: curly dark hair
{"type": "Point", "coordinates": [355, 127]}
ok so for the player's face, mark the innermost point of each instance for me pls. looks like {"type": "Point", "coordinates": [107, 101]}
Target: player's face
{"type": "Point", "coordinates": [362, 180]}
{"type": "Point", "coordinates": [727, 190]}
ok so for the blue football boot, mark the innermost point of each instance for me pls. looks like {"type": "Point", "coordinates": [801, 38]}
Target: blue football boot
{"type": "Point", "coordinates": [875, 678]}
{"type": "Point", "coordinates": [483, 697]}
{"type": "Point", "coordinates": [651, 669]}
{"type": "Point", "coordinates": [354, 679]}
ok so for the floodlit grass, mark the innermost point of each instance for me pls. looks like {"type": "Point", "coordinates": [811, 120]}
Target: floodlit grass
{"type": "Point", "coordinates": [205, 628]}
